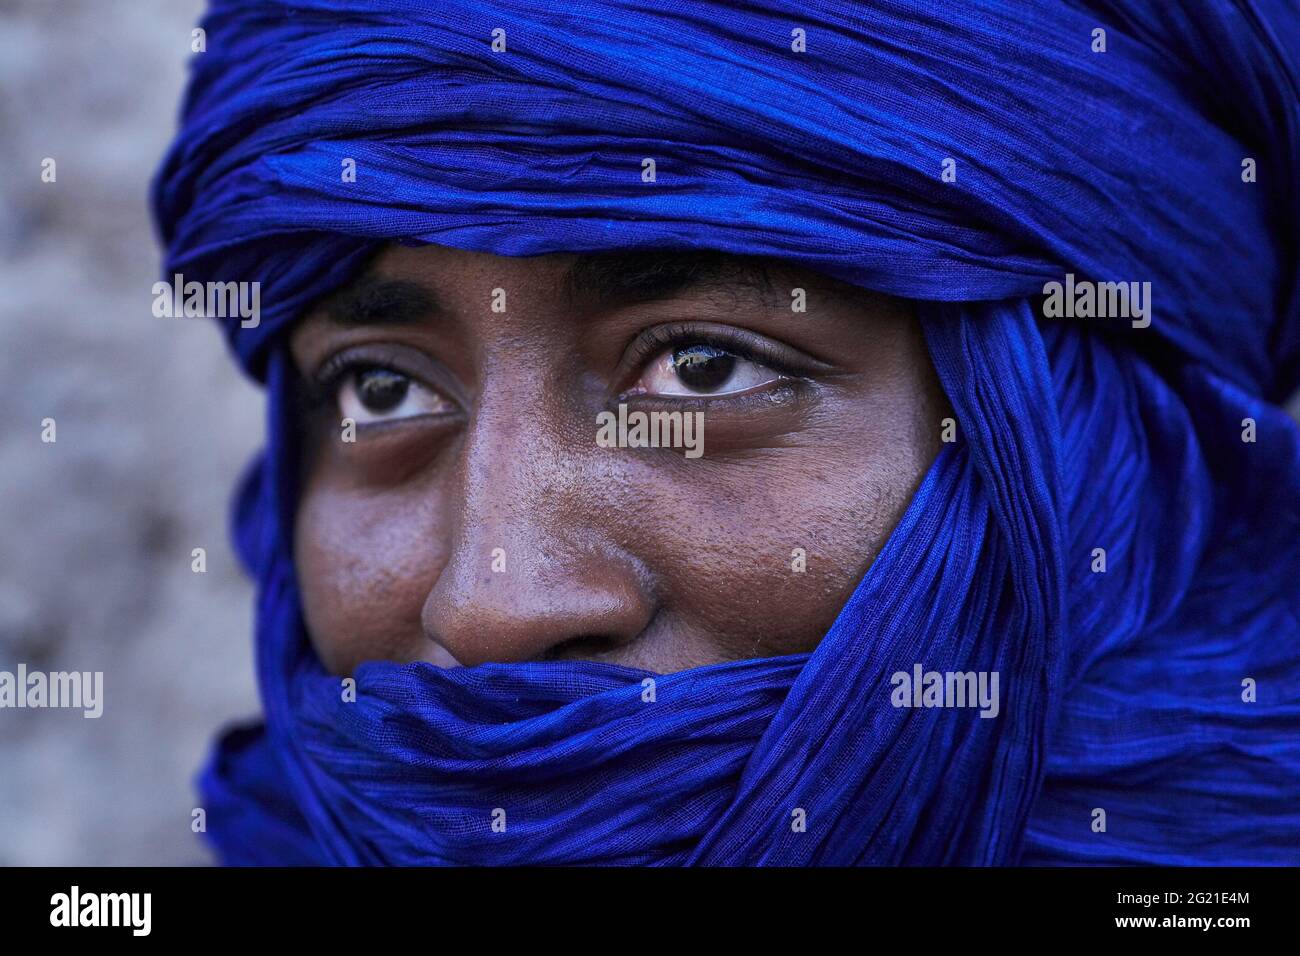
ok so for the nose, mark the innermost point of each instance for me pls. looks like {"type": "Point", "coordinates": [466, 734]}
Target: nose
{"type": "Point", "coordinates": [532, 572]}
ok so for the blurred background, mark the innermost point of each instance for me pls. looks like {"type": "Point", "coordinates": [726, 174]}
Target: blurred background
{"type": "Point", "coordinates": [154, 425]}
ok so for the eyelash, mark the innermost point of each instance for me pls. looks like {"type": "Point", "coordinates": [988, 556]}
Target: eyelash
{"type": "Point", "coordinates": [657, 340]}
{"type": "Point", "coordinates": [323, 388]}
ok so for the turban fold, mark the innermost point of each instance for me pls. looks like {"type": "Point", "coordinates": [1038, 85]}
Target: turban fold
{"type": "Point", "coordinates": [1122, 691]}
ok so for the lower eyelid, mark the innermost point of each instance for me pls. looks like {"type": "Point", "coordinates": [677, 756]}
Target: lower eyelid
{"type": "Point", "coordinates": [425, 417]}
{"type": "Point", "coordinates": [788, 385]}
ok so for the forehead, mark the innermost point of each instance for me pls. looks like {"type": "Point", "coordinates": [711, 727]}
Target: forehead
{"type": "Point", "coordinates": [403, 281]}
{"type": "Point", "coordinates": [634, 275]}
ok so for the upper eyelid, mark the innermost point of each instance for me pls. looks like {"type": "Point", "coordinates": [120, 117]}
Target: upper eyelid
{"type": "Point", "coordinates": [749, 345]}
{"type": "Point", "coordinates": [335, 368]}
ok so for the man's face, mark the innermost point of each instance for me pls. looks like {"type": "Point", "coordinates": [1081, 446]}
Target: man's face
{"type": "Point", "coordinates": [476, 518]}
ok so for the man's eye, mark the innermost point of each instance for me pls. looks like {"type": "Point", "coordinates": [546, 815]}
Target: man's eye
{"type": "Point", "coordinates": [700, 369]}
{"type": "Point", "coordinates": [369, 395]}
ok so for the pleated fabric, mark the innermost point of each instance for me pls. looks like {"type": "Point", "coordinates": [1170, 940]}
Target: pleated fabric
{"type": "Point", "coordinates": [1123, 691]}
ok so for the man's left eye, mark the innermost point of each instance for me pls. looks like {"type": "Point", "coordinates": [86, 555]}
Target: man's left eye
{"type": "Point", "coordinates": [700, 369]}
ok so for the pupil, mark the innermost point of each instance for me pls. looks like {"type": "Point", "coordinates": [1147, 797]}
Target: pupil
{"type": "Point", "coordinates": [703, 368]}
{"type": "Point", "coordinates": [381, 390]}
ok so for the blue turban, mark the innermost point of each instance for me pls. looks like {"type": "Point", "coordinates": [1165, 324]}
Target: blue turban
{"type": "Point", "coordinates": [958, 155]}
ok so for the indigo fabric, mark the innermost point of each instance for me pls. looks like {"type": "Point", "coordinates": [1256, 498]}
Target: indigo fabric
{"type": "Point", "coordinates": [1124, 691]}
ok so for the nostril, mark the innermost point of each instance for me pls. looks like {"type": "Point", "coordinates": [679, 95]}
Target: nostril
{"type": "Point", "coordinates": [573, 605]}
{"type": "Point", "coordinates": [583, 647]}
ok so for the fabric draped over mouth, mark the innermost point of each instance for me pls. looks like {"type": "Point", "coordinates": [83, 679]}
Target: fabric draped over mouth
{"type": "Point", "coordinates": [1121, 691]}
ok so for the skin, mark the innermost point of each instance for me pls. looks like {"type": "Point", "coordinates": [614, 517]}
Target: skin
{"type": "Point", "coordinates": [635, 556]}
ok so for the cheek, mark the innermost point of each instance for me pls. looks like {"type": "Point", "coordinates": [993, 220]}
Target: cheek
{"type": "Point", "coordinates": [763, 565]}
{"type": "Point", "coordinates": [365, 565]}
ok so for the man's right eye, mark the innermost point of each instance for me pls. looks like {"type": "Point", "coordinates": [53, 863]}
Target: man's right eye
{"type": "Point", "coordinates": [371, 394]}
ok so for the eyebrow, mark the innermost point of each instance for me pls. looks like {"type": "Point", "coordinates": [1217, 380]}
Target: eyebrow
{"type": "Point", "coordinates": [618, 278]}
{"type": "Point", "coordinates": [374, 300]}
{"type": "Point", "coordinates": [606, 279]}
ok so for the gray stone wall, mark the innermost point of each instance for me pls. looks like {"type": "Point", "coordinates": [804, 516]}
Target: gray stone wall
{"type": "Point", "coordinates": [154, 425]}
